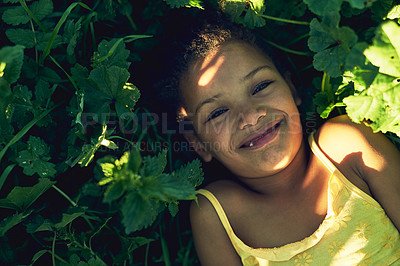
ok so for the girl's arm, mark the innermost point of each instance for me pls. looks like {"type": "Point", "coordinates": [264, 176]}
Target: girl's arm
{"type": "Point", "coordinates": [371, 155]}
{"type": "Point", "coordinates": [211, 240]}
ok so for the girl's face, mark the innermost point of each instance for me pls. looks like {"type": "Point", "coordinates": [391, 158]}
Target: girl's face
{"type": "Point", "coordinates": [243, 111]}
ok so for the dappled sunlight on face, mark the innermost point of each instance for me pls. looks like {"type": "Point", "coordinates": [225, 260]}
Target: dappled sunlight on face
{"type": "Point", "coordinates": [210, 71]}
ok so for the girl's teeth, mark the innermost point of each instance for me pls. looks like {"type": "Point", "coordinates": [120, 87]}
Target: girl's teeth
{"type": "Point", "coordinates": [251, 144]}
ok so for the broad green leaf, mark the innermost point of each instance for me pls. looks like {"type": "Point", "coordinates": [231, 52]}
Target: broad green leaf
{"type": "Point", "coordinates": [379, 106]}
{"type": "Point", "coordinates": [154, 165]}
{"type": "Point", "coordinates": [23, 197]}
{"type": "Point", "coordinates": [191, 172]}
{"type": "Point", "coordinates": [118, 57]}
{"type": "Point", "coordinates": [11, 59]}
{"type": "Point", "coordinates": [252, 10]}
{"type": "Point", "coordinates": [27, 38]}
{"type": "Point", "coordinates": [41, 8]}
{"type": "Point", "coordinates": [10, 222]}
{"type": "Point", "coordinates": [15, 16]}
{"type": "Point", "coordinates": [176, 188]}
{"type": "Point", "coordinates": [321, 8]}
{"type": "Point", "coordinates": [360, 4]}
{"type": "Point", "coordinates": [35, 158]}
{"type": "Point", "coordinates": [137, 212]}
{"type": "Point", "coordinates": [18, 15]}
{"type": "Point", "coordinates": [38, 224]}
{"type": "Point", "coordinates": [332, 44]}
{"type": "Point", "coordinates": [385, 51]}
{"type": "Point", "coordinates": [38, 255]}
{"type": "Point", "coordinates": [67, 218]}
{"type": "Point", "coordinates": [107, 86]}
{"type": "Point", "coordinates": [111, 53]}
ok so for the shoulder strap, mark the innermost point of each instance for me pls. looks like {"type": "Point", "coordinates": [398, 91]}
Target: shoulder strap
{"type": "Point", "coordinates": [220, 211]}
{"type": "Point", "coordinates": [321, 156]}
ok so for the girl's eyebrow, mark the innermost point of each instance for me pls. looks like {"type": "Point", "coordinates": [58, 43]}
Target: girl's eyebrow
{"type": "Point", "coordinates": [255, 71]}
{"type": "Point", "coordinates": [206, 101]}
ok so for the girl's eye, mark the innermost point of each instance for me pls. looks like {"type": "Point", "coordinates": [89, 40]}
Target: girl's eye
{"type": "Point", "coordinates": [216, 113]}
{"type": "Point", "coordinates": [261, 86]}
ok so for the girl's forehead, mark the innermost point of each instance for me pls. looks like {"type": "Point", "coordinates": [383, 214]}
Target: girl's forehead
{"type": "Point", "coordinates": [233, 57]}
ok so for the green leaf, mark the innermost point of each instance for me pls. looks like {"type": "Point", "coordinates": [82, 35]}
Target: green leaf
{"type": "Point", "coordinates": [251, 9]}
{"type": "Point", "coordinates": [154, 165]}
{"type": "Point", "coordinates": [385, 51]}
{"type": "Point", "coordinates": [12, 58]}
{"type": "Point", "coordinates": [88, 150]}
{"type": "Point", "coordinates": [21, 36]}
{"type": "Point", "coordinates": [360, 4]}
{"type": "Point", "coordinates": [176, 188]}
{"type": "Point", "coordinates": [10, 222]}
{"type": "Point", "coordinates": [332, 44]}
{"type": "Point", "coordinates": [173, 208]}
{"type": "Point", "coordinates": [321, 8]}
{"type": "Point", "coordinates": [379, 106]}
{"type": "Point", "coordinates": [38, 224]}
{"type": "Point", "coordinates": [15, 16]}
{"type": "Point", "coordinates": [22, 197]}
{"type": "Point", "coordinates": [191, 172]}
{"type": "Point", "coordinates": [54, 34]}
{"type": "Point", "coordinates": [137, 212]}
{"type": "Point", "coordinates": [67, 218]}
{"type": "Point", "coordinates": [71, 35]}
{"type": "Point", "coordinates": [41, 8]}
{"type": "Point", "coordinates": [111, 53]}
{"type": "Point", "coordinates": [394, 13]}
{"type": "Point", "coordinates": [107, 86]}
{"type": "Point", "coordinates": [184, 3]}
{"type": "Point", "coordinates": [34, 158]}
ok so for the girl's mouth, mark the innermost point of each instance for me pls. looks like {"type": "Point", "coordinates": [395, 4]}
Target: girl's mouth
{"type": "Point", "coordinates": [262, 139]}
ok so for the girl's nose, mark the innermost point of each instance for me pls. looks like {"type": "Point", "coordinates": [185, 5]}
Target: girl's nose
{"type": "Point", "coordinates": [250, 117]}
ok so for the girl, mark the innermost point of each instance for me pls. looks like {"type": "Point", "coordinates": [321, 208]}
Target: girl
{"type": "Point", "coordinates": [330, 200]}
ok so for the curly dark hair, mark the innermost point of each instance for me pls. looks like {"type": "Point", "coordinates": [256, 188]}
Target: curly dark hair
{"type": "Point", "coordinates": [205, 34]}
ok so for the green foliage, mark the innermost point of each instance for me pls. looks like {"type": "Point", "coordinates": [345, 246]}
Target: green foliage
{"type": "Point", "coordinates": [35, 158]}
{"type": "Point", "coordinates": [378, 99]}
{"type": "Point", "coordinates": [146, 192]}
{"type": "Point", "coordinates": [184, 3]}
{"type": "Point", "coordinates": [331, 43]}
{"type": "Point", "coordinates": [74, 181]}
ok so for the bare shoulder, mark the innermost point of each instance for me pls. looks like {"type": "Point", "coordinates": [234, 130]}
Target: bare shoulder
{"type": "Point", "coordinates": [212, 243]}
{"type": "Point", "coordinates": [371, 154]}
{"type": "Point", "coordinates": [342, 140]}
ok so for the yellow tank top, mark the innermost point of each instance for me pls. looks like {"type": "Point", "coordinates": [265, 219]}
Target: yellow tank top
{"type": "Point", "coordinates": [355, 231]}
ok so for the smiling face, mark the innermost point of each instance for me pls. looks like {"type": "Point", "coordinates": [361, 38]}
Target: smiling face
{"type": "Point", "coordinates": [243, 111]}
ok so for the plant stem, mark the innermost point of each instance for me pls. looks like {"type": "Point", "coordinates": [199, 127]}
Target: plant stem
{"type": "Point", "coordinates": [286, 49]}
{"type": "Point", "coordinates": [118, 137]}
{"type": "Point", "coordinates": [285, 20]}
{"type": "Point", "coordinates": [147, 254]}
{"type": "Point", "coordinates": [65, 196]}
{"type": "Point", "coordinates": [53, 247]}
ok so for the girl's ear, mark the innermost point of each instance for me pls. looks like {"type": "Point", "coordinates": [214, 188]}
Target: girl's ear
{"type": "Point", "coordinates": [288, 78]}
{"type": "Point", "coordinates": [198, 146]}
